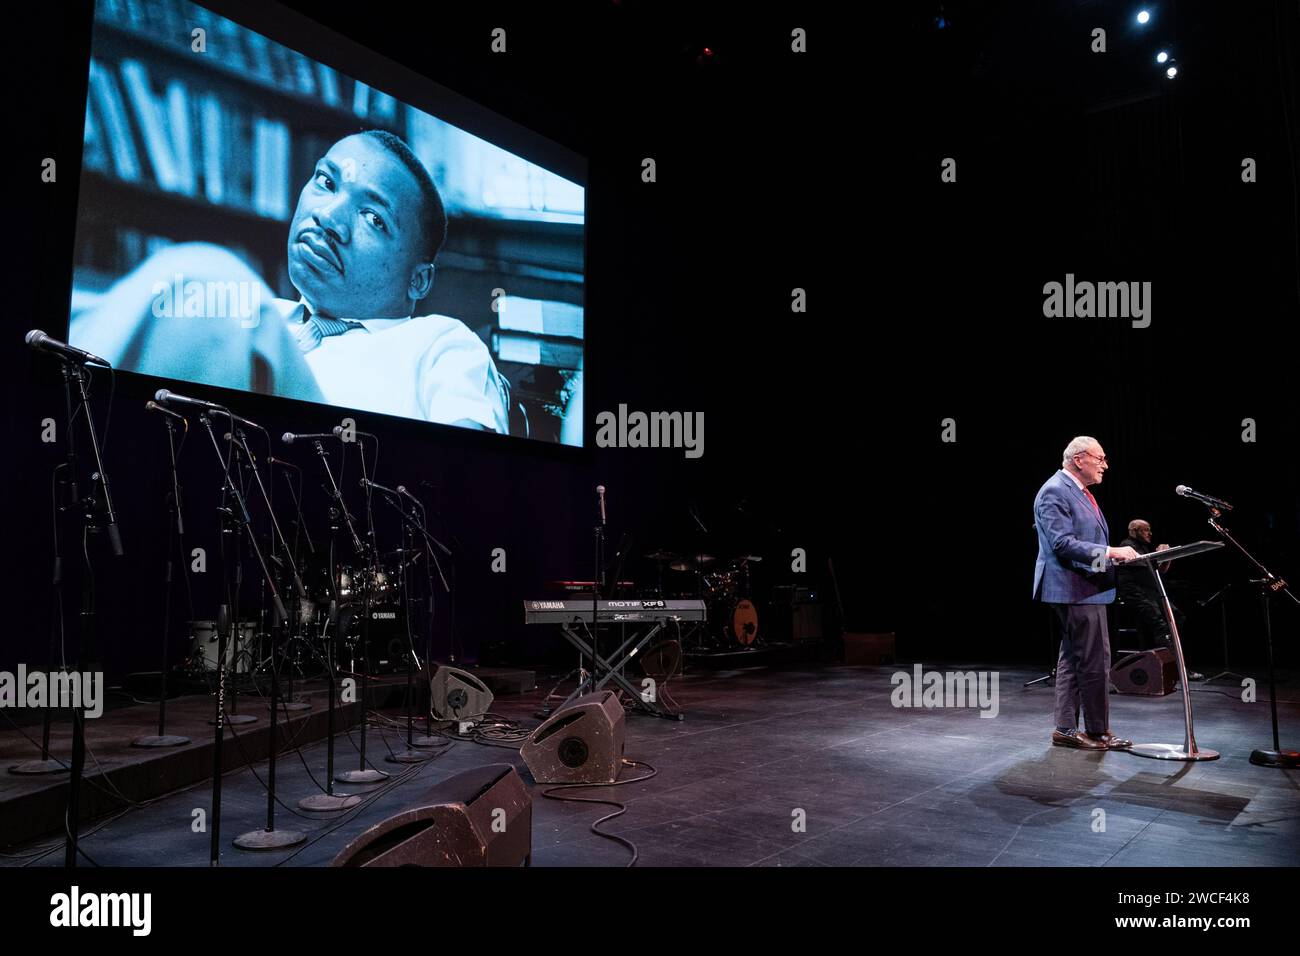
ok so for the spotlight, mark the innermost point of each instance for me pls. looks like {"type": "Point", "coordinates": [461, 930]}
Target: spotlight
{"type": "Point", "coordinates": [1144, 16]}
{"type": "Point", "coordinates": [1162, 56]}
{"type": "Point", "coordinates": [1171, 72]}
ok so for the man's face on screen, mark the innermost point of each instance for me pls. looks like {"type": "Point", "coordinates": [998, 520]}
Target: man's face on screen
{"type": "Point", "coordinates": [355, 236]}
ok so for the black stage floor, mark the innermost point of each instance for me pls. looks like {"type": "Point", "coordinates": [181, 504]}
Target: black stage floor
{"type": "Point", "coordinates": [875, 785]}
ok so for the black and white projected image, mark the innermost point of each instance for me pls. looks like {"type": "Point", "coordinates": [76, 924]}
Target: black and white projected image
{"type": "Point", "coordinates": [252, 219]}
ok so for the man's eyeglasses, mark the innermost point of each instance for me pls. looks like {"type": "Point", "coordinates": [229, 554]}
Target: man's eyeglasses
{"type": "Point", "coordinates": [1101, 459]}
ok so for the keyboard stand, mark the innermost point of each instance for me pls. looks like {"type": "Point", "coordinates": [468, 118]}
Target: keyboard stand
{"type": "Point", "coordinates": [614, 672]}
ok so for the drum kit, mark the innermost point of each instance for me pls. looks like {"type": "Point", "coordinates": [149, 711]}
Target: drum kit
{"type": "Point", "coordinates": [724, 586]}
{"type": "Point", "coordinates": [377, 586]}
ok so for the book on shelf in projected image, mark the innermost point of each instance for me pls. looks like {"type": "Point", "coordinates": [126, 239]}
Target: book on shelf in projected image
{"type": "Point", "coordinates": [525, 349]}
{"type": "Point", "coordinates": [538, 332]}
{"type": "Point", "coordinates": [253, 57]}
{"type": "Point", "coordinates": [193, 145]}
{"type": "Point", "coordinates": [539, 317]}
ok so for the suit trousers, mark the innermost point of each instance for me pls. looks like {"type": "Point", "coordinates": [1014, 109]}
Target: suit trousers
{"type": "Point", "coordinates": [1083, 668]}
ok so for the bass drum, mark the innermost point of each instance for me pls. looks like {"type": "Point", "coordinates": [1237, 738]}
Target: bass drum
{"type": "Point", "coordinates": [743, 624]}
{"type": "Point", "coordinates": [387, 644]}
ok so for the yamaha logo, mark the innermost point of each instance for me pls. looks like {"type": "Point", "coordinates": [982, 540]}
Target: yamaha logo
{"type": "Point", "coordinates": [383, 616]}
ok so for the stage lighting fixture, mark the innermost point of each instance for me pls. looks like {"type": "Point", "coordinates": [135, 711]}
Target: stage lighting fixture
{"type": "Point", "coordinates": [1162, 56]}
{"type": "Point", "coordinates": [1144, 16]}
{"type": "Point", "coordinates": [1171, 72]}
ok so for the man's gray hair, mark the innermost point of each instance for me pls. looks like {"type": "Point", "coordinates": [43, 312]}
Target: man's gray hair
{"type": "Point", "coordinates": [1076, 447]}
{"type": "Point", "coordinates": [1135, 524]}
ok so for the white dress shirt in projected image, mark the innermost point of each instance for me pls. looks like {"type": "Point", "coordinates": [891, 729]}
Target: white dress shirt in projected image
{"type": "Point", "coordinates": [429, 367]}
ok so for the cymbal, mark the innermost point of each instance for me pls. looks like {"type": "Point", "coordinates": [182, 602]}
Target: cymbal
{"type": "Point", "coordinates": [660, 555]}
{"type": "Point", "coordinates": [693, 563]}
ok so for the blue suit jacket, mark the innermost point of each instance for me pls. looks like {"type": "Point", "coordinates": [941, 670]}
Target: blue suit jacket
{"type": "Point", "coordinates": [1070, 534]}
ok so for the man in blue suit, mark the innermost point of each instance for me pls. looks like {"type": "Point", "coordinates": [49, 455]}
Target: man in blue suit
{"type": "Point", "coordinates": [1075, 577]}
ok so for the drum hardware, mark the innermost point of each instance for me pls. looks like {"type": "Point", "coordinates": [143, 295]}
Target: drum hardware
{"type": "Point", "coordinates": [203, 647]}
{"type": "Point", "coordinates": [693, 562]}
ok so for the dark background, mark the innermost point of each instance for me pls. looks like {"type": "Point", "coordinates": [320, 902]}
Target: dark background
{"type": "Point", "coordinates": [822, 430]}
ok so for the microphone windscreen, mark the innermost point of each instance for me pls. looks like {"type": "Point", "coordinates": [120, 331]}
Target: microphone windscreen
{"type": "Point", "coordinates": [161, 395]}
{"type": "Point", "coordinates": [35, 337]}
{"type": "Point", "coordinates": [287, 438]}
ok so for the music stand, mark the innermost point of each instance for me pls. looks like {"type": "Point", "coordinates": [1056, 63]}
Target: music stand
{"type": "Point", "coordinates": [1189, 750]}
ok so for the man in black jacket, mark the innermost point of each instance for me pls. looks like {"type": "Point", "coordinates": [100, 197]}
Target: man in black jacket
{"type": "Point", "coordinates": [1137, 589]}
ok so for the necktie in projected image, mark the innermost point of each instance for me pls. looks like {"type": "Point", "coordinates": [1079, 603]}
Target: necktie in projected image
{"type": "Point", "coordinates": [309, 329]}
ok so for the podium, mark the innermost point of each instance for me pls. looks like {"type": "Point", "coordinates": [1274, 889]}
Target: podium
{"type": "Point", "coordinates": [1188, 750]}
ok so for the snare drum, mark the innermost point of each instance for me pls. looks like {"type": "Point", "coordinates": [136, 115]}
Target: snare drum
{"type": "Point", "coordinates": [204, 644]}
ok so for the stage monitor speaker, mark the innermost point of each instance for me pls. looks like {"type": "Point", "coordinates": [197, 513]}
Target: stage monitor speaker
{"type": "Point", "coordinates": [482, 817]}
{"type": "Point", "coordinates": [455, 694]}
{"type": "Point", "coordinates": [581, 742]}
{"type": "Point", "coordinates": [1150, 673]}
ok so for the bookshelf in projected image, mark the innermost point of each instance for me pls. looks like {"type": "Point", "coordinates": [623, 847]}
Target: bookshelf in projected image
{"type": "Point", "coordinates": [215, 146]}
{"type": "Point", "coordinates": [215, 143]}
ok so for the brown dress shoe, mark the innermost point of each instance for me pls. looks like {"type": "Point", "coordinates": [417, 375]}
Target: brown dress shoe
{"type": "Point", "coordinates": [1076, 739]}
{"type": "Point", "coordinates": [1115, 743]}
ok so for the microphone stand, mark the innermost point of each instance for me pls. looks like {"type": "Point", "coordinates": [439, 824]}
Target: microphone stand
{"type": "Point", "coordinates": [361, 774]}
{"type": "Point", "coordinates": [270, 838]}
{"type": "Point", "coordinates": [428, 738]}
{"type": "Point", "coordinates": [1269, 585]}
{"type": "Point", "coordinates": [294, 633]}
{"type": "Point", "coordinates": [329, 800]}
{"type": "Point", "coordinates": [1219, 596]}
{"type": "Point", "coordinates": [410, 754]}
{"type": "Point", "coordinates": [231, 618]}
{"type": "Point", "coordinates": [598, 579]}
{"type": "Point", "coordinates": [176, 537]}
{"type": "Point", "coordinates": [234, 518]}
{"type": "Point", "coordinates": [88, 509]}
{"type": "Point", "coordinates": [412, 526]}
{"type": "Point", "coordinates": [86, 649]}
{"type": "Point", "coordinates": [46, 763]}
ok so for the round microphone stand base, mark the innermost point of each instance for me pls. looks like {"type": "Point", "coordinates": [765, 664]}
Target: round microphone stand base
{"type": "Point", "coordinates": [360, 776]}
{"type": "Point", "coordinates": [236, 719]}
{"type": "Point", "coordinates": [1286, 759]}
{"type": "Point", "coordinates": [32, 767]}
{"type": "Point", "coordinates": [269, 839]}
{"type": "Point", "coordinates": [324, 802]}
{"type": "Point", "coordinates": [408, 756]}
{"type": "Point", "coordinates": [292, 705]}
{"type": "Point", "coordinates": [1171, 752]}
{"type": "Point", "coordinates": [166, 740]}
